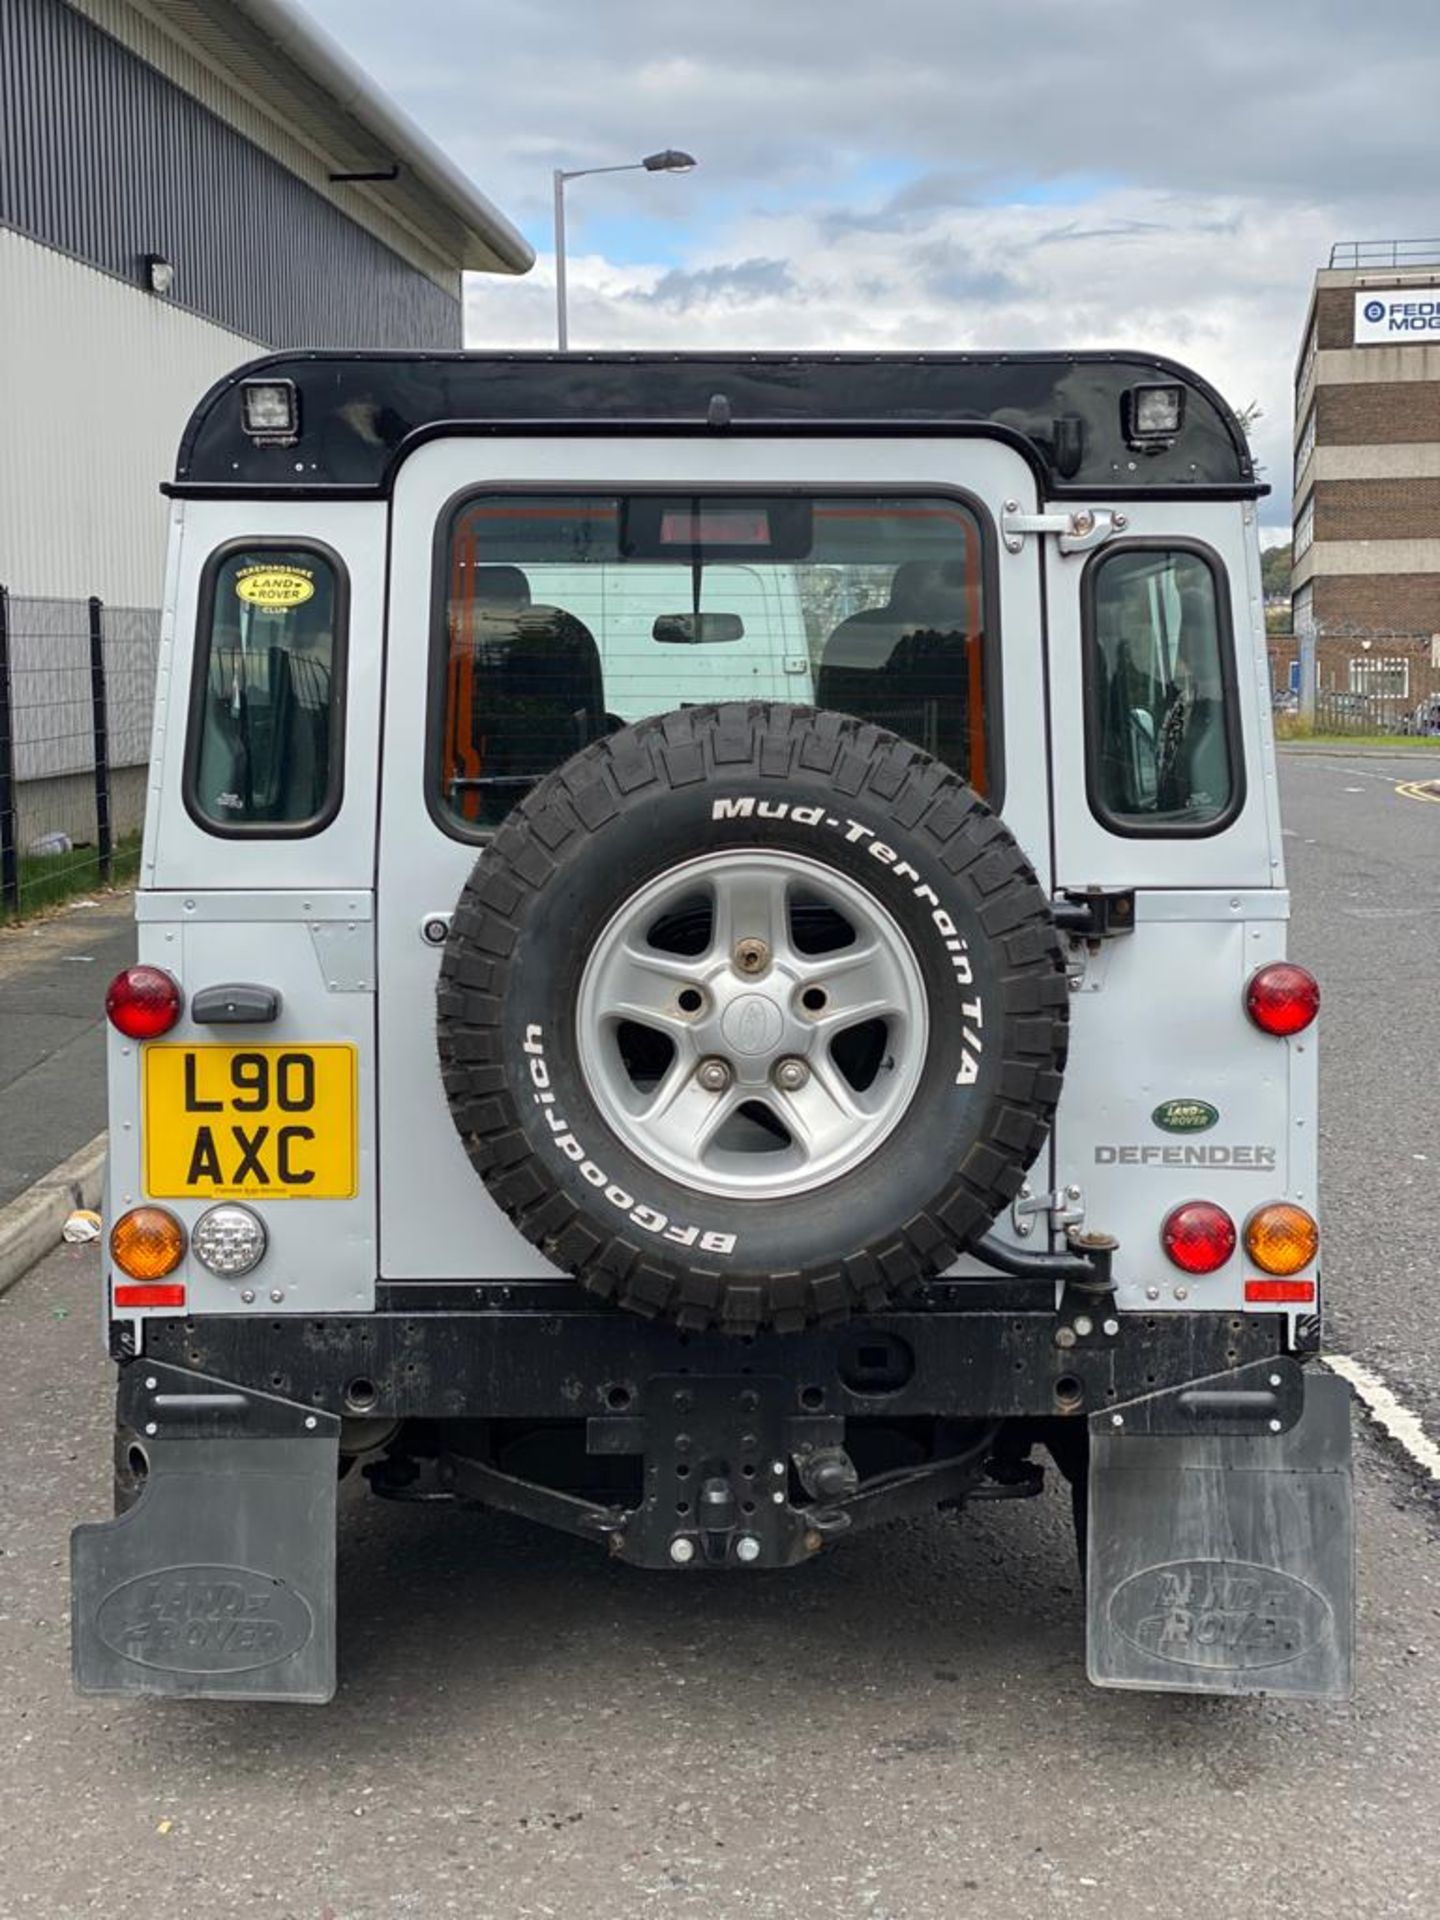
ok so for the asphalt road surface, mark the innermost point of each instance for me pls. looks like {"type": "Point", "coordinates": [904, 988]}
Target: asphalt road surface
{"type": "Point", "coordinates": [53, 976]}
{"type": "Point", "coordinates": [899, 1731]}
{"type": "Point", "coordinates": [1364, 869]}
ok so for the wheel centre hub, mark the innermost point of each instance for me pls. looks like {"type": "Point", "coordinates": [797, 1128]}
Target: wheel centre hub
{"type": "Point", "coordinates": [752, 1024]}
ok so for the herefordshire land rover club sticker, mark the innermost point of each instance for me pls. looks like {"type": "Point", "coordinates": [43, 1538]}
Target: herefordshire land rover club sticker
{"type": "Point", "coordinates": [1185, 1116]}
{"type": "Point", "coordinates": [277, 589]}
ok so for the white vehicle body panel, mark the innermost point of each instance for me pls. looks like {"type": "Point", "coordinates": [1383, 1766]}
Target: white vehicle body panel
{"type": "Point", "coordinates": [1155, 1013]}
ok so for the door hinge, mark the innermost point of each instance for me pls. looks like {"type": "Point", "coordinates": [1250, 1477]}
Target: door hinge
{"type": "Point", "coordinates": [1079, 531]}
{"type": "Point", "coordinates": [1095, 913]}
{"type": "Point", "coordinates": [1066, 1208]}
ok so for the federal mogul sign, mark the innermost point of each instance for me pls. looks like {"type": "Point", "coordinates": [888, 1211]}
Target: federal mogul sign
{"type": "Point", "coordinates": [1397, 315]}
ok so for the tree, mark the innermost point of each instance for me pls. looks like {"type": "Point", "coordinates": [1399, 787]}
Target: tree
{"type": "Point", "coordinates": [1275, 571]}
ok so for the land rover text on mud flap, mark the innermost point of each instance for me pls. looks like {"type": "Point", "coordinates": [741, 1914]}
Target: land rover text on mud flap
{"type": "Point", "coordinates": [712, 974]}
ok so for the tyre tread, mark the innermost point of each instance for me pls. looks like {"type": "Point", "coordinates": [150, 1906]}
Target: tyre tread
{"type": "Point", "coordinates": [677, 750]}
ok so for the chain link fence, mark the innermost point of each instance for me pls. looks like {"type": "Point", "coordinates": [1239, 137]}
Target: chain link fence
{"type": "Point", "coordinates": [77, 688]}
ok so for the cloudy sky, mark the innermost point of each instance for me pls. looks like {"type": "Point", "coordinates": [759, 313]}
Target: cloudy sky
{"type": "Point", "coordinates": [925, 173]}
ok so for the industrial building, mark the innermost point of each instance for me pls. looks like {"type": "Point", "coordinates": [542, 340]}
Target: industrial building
{"type": "Point", "coordinates": [184, 184]}
{"type": "Point", "coordinates": [1365, 586]}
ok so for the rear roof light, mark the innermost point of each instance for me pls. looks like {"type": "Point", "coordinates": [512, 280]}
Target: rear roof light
{"type": "Point", "coordinates": [1198, 1236]}
{"type": "Point", "coordinates": [1282, 998]}
{"type": "Point", "coordinates": [144, 1002]}
{"type": "Point", "coordinates": [1281, 1238]}
{"type": "Point", "coordinates": [147, 1244]}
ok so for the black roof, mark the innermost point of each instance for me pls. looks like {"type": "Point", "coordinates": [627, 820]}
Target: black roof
{"type": "Point", "coordinates": [361, 412]}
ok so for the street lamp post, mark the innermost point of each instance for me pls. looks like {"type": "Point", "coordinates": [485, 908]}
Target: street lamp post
{"type": "Point", "coordinates": [670, 161]}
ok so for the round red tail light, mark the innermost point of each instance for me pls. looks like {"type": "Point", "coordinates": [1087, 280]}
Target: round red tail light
{"type": "Point", "coordinates": [1282, 998]}
{"type": "Point", "coordinates": [1198, 1236]}
{"type": "Point", "coordinates": [144, 1002]}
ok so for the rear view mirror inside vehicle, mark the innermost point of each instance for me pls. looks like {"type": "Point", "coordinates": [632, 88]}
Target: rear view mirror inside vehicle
{"type": "Point", "coordinates": [697, 629]}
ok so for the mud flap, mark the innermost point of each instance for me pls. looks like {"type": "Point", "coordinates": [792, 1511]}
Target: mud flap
{"type": "Point", "coordinates": [219, 1583]}
{"type": "Point", "coordinates": [1220, 1552]}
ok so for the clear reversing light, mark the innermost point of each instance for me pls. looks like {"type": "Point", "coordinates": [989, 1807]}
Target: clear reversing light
{"type": "Point", "coordinates": [270, 409]}
{"type": "Point", "coordinates": [228, 1240]}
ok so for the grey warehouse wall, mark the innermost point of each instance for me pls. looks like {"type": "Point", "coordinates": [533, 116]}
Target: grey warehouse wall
{"type": "Point", "coordinates": [106, 160]}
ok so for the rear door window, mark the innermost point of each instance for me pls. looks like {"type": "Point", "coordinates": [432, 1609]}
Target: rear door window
{"type": "Point", "coordinates": [1162, 719]}
{"type": "Point", "coordinates": [565, 617]}
{"type": "Point", "coordinates": [266, 720]}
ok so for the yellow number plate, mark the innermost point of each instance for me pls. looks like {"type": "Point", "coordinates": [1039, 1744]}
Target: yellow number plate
{"type": "Point", "coordinates": [277, 1122]}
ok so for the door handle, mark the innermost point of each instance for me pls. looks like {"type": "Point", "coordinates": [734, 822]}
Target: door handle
{"type": "Point", "coordinates": [238, 1004]}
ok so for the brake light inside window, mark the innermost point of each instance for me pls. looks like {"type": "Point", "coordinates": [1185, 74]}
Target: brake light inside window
{"type": "Point", "coordinates": [715, 527]}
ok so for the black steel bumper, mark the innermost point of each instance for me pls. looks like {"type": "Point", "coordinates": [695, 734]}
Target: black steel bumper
{"type": "Point", "coordinates": [1218, 1479]}
{"type": "Point", "coordinates": [535, 1351]}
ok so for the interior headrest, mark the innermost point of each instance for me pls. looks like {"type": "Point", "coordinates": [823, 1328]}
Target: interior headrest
{"type": "Point", "coordinates": [501, 587]}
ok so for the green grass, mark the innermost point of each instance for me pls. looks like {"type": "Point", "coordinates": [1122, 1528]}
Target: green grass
{"type": "Point", "coordinates": [48, 880]}
{"type": "Point", "coordinates": [1289, 727]}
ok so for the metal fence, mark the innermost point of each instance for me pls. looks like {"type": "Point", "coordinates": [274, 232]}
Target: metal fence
{"type": "Point", "coordinates": [77, 689]}
{"type": "Point", "coordinates": [1365, 682]}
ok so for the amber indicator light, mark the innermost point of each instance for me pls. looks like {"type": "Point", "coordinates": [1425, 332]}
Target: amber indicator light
{"type": "Point", "coordinates": [1281, 1238]}
{"type": "Point", "coordinates": [146, 1244]}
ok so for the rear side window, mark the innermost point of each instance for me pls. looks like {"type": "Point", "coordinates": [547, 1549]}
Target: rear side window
{"type": "Point", "coordinates": [266, 713]}
{"type": "Point", "coordinates": [566, 616]}
{"type": "Point", "coordinates": [1160, 692]}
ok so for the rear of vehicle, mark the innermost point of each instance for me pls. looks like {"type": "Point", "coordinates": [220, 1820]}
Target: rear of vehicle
{"type": "Point", "coordinates": [715, 980]}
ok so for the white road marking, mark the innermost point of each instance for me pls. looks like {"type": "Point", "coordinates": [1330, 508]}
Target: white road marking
{"type": "Point", "coordinates": [1386, 1411]}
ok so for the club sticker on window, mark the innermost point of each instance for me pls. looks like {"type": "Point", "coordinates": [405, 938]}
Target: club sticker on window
{"type": "Point", "coordinates": [275, 588]}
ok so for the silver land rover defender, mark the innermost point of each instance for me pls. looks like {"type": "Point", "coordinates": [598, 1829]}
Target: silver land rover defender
{"type": "Point", "coordinates": [712, 974]}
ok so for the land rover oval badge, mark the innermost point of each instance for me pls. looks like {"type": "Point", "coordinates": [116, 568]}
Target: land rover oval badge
{"type": "Point", "coordinates": [1185, 1116]}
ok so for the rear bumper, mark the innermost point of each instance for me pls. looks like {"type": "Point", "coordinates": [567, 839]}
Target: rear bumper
{"type": "Point", "coordinates": [538, 1351]}
{"type": "Point", "coordinates": [1218, 1481]}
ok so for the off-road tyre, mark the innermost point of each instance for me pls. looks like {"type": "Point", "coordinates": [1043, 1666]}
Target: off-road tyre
{"type": "Point", "coordinates": [660, 793]}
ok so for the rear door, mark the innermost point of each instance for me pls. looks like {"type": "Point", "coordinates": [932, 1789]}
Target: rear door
{"type": "Point", "coordinates": [1164, 773]}
{"type": "Point", "coordinates": [436, 1221]}
{"type": "Point", "coordinates": [258, 873]}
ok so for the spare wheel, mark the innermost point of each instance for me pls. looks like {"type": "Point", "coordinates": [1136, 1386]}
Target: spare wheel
{"type": "Point", "coordinates": [752, 1016]}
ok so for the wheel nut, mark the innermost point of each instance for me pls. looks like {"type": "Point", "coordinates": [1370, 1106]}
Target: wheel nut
{"type": "Point", "coordinates": [713, 1075]}
{"type": "Point", "coordinates": [751, 956]}
{"type": "Point", "coordinates": [747, 1549]}
{"type": "Point", "coordinates": [791, 1075]}
{"type": "Point", "coordinates": [682, 1551]}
